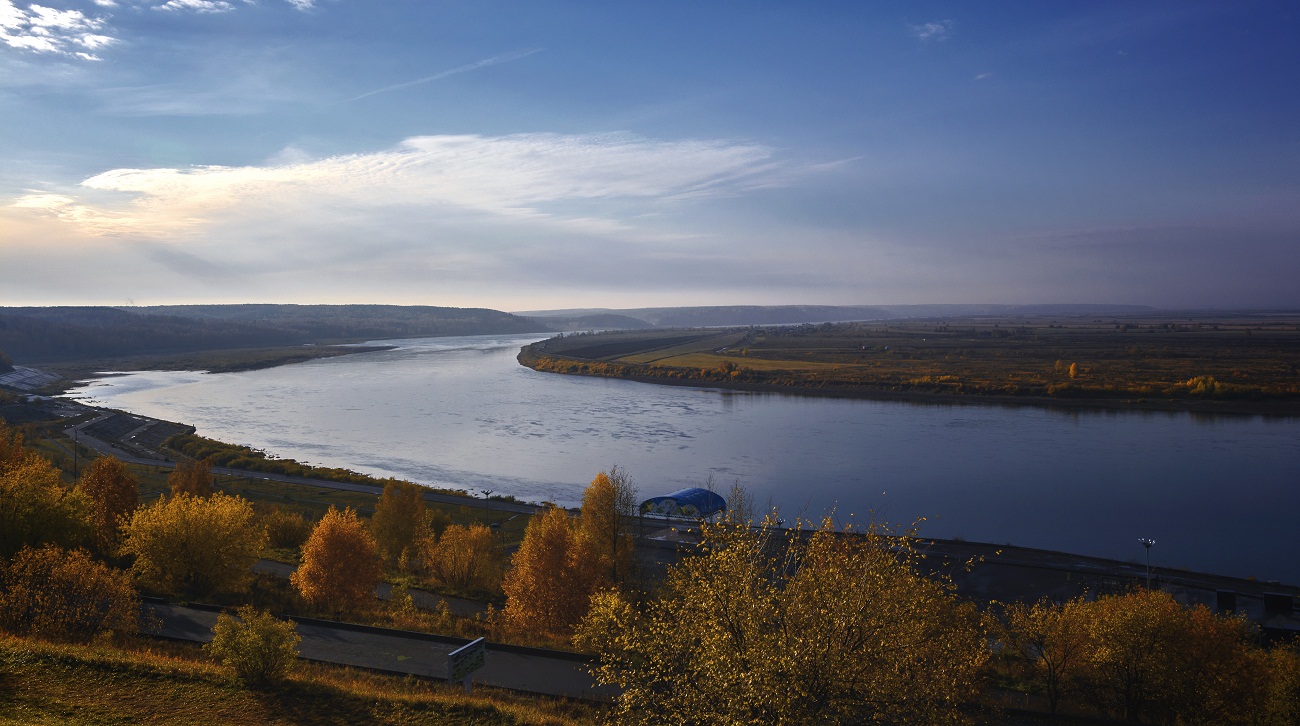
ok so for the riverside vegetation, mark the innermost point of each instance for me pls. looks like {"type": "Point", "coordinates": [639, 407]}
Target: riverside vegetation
{"type": "Point", "coordinates": [1244, 363]}
{"type": "Point", "coordinates": [815, 624]}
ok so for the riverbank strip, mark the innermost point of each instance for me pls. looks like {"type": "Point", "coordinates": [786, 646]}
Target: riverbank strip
{"type": "Point", "coordinates": [645, 374]}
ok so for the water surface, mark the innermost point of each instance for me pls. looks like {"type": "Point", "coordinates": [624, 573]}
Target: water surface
{"type": "Point", "coordinates": [1216, 493]}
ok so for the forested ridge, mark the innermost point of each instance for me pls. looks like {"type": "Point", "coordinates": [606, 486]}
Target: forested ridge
{"type": "Point", "coordinates": [49, 334]}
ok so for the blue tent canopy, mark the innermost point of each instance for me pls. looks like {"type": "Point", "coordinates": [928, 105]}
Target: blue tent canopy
{"type": "Point", "coordinates": [689, 502]}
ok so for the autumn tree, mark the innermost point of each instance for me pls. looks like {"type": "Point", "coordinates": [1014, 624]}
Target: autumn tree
{"type": "Point", "coordinates": [607, 520]}
{"type": "Point", "coordinates": [259, 647]}
{"type": "Point", "coordinates": [194, 546]}
{"type": "Point", "coordinates": [340, 563]}
{"type": "Point", "coordinates": [191, 477]}
{"type": "Point", "coordinates": [65, 595]}
{"type": "Point", "coordinates": [398, 520]}
{"type": "Point", "coordinates": [1282, 689]}
{"type": "Point", "coordinates": [35, 507]}
{"type": "Point", "coordinates": [11, 447]}
{"type": "Point", "coordinates": [766, 625]}
{"type": "Point", "coordinates": [551, 576]}
{"type": "Point", "coordinates": [114, 493]}
{"type": "Point", "coordinates": [1150, 657]}
{"type": "Point", "coordinates": [1051, 641]}
{"type": "Point", "coordinates": [464, 558]}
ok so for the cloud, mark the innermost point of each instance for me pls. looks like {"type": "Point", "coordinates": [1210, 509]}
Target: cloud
{"type": "Point", "coordinates": [41, 29]}
{"type": "Point", "coordinates": [198, 6]}
{"type": "Point", "coordinates": [938, 30]}
{"type": "Point", "coordinates": [573, 182]}
{"type": "Point", "coordinates": [77, 33]}
{"type": "Point", "coordinates": [983, 76]}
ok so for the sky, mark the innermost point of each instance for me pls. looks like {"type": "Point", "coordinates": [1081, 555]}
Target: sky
{"type": "Point", "coordinates": [540, 155]}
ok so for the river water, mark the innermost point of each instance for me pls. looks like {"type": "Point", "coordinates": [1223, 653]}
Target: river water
{"type": "Point", "coordinates": [1218, 494]}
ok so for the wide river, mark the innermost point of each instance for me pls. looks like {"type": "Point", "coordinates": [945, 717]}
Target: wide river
{"type": "Point", "coordinates": [1218, 494]}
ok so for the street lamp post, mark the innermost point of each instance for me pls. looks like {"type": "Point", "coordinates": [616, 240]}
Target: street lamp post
{"type": "Point", "coordinates": [1146, 542]}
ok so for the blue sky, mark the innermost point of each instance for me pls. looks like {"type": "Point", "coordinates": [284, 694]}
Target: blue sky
{"type": "Point", "coordinates": [573, 154]}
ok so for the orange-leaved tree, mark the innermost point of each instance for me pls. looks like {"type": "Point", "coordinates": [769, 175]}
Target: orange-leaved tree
{"type": "Point", "coordinates": [551, 577]}
{"type": "Point", "coordinates": [191, 477]}
{"type": "Point", "coordinates": [340, 563]}
{"type": "Point", "coordinates": [114, 493]}
{"type": "Point", "coordinates": [65, 595]}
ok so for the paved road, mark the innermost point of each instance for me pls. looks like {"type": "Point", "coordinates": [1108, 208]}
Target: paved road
{"type": "Point", "coordinates": [391, 651]}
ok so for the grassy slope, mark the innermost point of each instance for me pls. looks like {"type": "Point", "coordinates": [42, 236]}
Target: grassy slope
{"type": "Point", "coordinates": [174, 684]}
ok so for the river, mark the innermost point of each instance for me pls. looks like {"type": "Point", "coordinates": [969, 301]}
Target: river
{"type": "Point", "coordinates": [1218, 494]}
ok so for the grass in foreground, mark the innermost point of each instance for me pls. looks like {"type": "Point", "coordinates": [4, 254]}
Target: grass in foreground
{"type": "Point", "coordinates": [165, 683]}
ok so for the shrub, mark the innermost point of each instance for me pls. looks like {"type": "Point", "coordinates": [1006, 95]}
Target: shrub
{"type": "Point", "coordinates": [285, 529]}
{"type": "Point", "coordinates": [261, 648]}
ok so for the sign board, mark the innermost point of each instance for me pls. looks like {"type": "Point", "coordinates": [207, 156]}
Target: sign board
{"type": "Point", "coordinates": [465, 660]}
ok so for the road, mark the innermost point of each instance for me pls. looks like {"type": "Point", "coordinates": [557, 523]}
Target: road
{"type": "Point", "coordinates": [519, 669]}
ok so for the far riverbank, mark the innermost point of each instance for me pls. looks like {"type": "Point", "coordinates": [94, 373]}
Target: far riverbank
{"type": "Point", "coordinates": [1284, 409]}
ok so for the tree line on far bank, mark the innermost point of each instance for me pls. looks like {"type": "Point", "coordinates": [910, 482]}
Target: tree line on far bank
{"type": "Point", "coordinates": [759, 624]}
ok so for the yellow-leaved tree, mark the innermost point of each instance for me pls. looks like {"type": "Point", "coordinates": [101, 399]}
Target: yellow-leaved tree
{"type": "Point", "coordinates": [1051, 641]}
{"type": "Point", "coordinates": [465, 559]}
{"type": "Point", "coordinates": [114, 493]}
{"type": "Point", "coordinates": [194, 546]}
{"type": "Point", "coordinates": [398, 520]}
{"type": "Point", "coordinates": [340, 563]}
{"type": "Point", "coordinates": [35, 507]}
{"type": "Point", "coordinates": [65, 595]}
{"type": "Point", "coordinates": [607, 521]}
{"type": "Point", "coordinates": [551, 577]}
{"type": "Point", "coordinates": [767, 625]}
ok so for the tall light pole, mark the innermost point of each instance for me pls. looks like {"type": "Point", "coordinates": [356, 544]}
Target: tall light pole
{"type": "Point", "coordinates": [1145, 542]}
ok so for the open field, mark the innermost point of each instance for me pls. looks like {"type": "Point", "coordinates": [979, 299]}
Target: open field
{"type": "Point", "coordinates": [1222, 362]}
{"type": "Point", "coordinates": [167, 683]}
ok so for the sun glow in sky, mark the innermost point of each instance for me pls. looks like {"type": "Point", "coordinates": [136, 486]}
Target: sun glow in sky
{"type": "Point", "coordinates": [570, 154]}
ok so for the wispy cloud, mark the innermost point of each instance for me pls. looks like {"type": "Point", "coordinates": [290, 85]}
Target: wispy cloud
{"type": "Point", "coordinates": [198, 6]}
{"type": "Point", "coordinates": [520, 177]}
{"type": "Point", "coordinates": [494, 60]}
{"type": "Point", "coordinates": [937, 30]}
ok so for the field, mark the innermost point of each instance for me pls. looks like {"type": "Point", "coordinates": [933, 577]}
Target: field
{"type": "Point", "coordinates": [165, 683]}
{"type": "Point", "coordinates": [1222, 362]}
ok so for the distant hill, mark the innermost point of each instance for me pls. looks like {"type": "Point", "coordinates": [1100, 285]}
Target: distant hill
{"type": "Point", "coordinates": [54, 334]}
{"type": "Point", "coordinates": [717, 316]}
{"type": "Point", "coordinates": [605, 321]}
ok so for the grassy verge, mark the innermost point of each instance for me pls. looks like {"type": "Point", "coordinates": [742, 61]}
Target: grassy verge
{"type": "Point", "coordinates": [164, 683]}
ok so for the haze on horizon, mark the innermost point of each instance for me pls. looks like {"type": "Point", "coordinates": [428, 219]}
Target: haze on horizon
{"type": "Point", "coordinates": [564, 154]}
